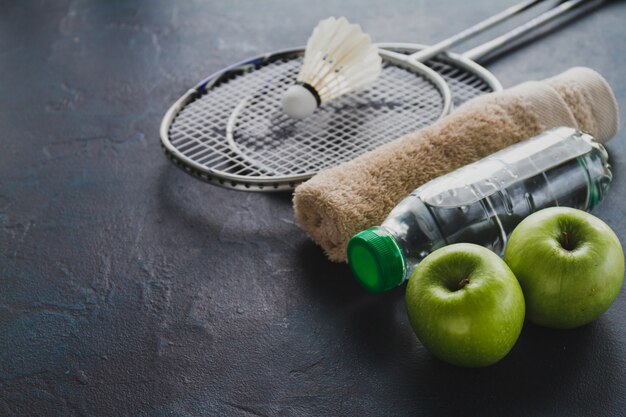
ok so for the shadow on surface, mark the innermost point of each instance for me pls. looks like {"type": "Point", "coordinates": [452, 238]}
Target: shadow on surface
{"type": "Point", "coordinates": [376, 322]}
{"type": "Point", "coordinates": [330, 283]}
{"type": "Point", "coordinates": [545, 368]}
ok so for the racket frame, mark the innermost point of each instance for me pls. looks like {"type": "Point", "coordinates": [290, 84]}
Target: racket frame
{"type": "Point", "coordinates": [286, 182]}
{"type": "Point", "coordinates": [396, 53]}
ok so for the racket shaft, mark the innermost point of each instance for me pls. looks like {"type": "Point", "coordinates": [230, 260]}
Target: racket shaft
{"type": "Point", "coordinates": [425, 54]}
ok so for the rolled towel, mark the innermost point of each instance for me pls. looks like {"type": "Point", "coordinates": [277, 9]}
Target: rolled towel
{"type": "Point", "coordinates": [342, 201]}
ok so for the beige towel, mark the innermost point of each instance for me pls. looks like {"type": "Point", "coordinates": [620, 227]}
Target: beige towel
{"type": "Point", "coordinates": [340, 202]}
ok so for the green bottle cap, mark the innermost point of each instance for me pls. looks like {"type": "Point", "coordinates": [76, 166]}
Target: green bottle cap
{"type": "Point", "coordinates": [376, 259]}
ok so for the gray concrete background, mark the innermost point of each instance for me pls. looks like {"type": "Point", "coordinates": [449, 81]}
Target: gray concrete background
{"type": "Point", "coordinates": [128, 288]}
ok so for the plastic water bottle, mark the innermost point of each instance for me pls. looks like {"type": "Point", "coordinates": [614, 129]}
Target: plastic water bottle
{"type": "Point", "coordinates": [482, 203]}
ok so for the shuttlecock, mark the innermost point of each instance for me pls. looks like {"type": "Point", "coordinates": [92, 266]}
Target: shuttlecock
{"type": "Point", "coordinates": [338, 58]}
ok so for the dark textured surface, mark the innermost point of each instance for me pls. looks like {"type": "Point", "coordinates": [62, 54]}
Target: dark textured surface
{"type": "Point", "coordinates": [130, 289]}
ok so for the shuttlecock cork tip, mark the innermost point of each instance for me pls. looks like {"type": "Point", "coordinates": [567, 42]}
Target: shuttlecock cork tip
{"type": "Point", "coordinates": [299, 102]}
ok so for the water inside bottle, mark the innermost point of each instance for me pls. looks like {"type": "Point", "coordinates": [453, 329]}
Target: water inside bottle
{"type": "Point", "coordinates": [483, 202]}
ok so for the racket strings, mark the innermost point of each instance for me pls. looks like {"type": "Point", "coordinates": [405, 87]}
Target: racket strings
{"type": "Point", "coordinates": [244, 109]}
{"type": "Point", "coordinates": [464, 84]}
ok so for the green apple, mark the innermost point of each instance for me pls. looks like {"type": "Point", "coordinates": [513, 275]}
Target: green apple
{"type": "Point", "coordinates": [465, 305]}
{"type": "Point", "coordinates": [569, 263]}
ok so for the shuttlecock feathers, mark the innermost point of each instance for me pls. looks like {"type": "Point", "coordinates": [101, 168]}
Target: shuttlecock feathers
{"type": "Point", "coordinates": [339, 58]}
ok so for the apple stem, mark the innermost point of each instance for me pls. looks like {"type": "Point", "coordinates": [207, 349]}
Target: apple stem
{"type": "Point", "coordinates": [565, 242]}
{"type": "Point", "coordinates": [463, 282]}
